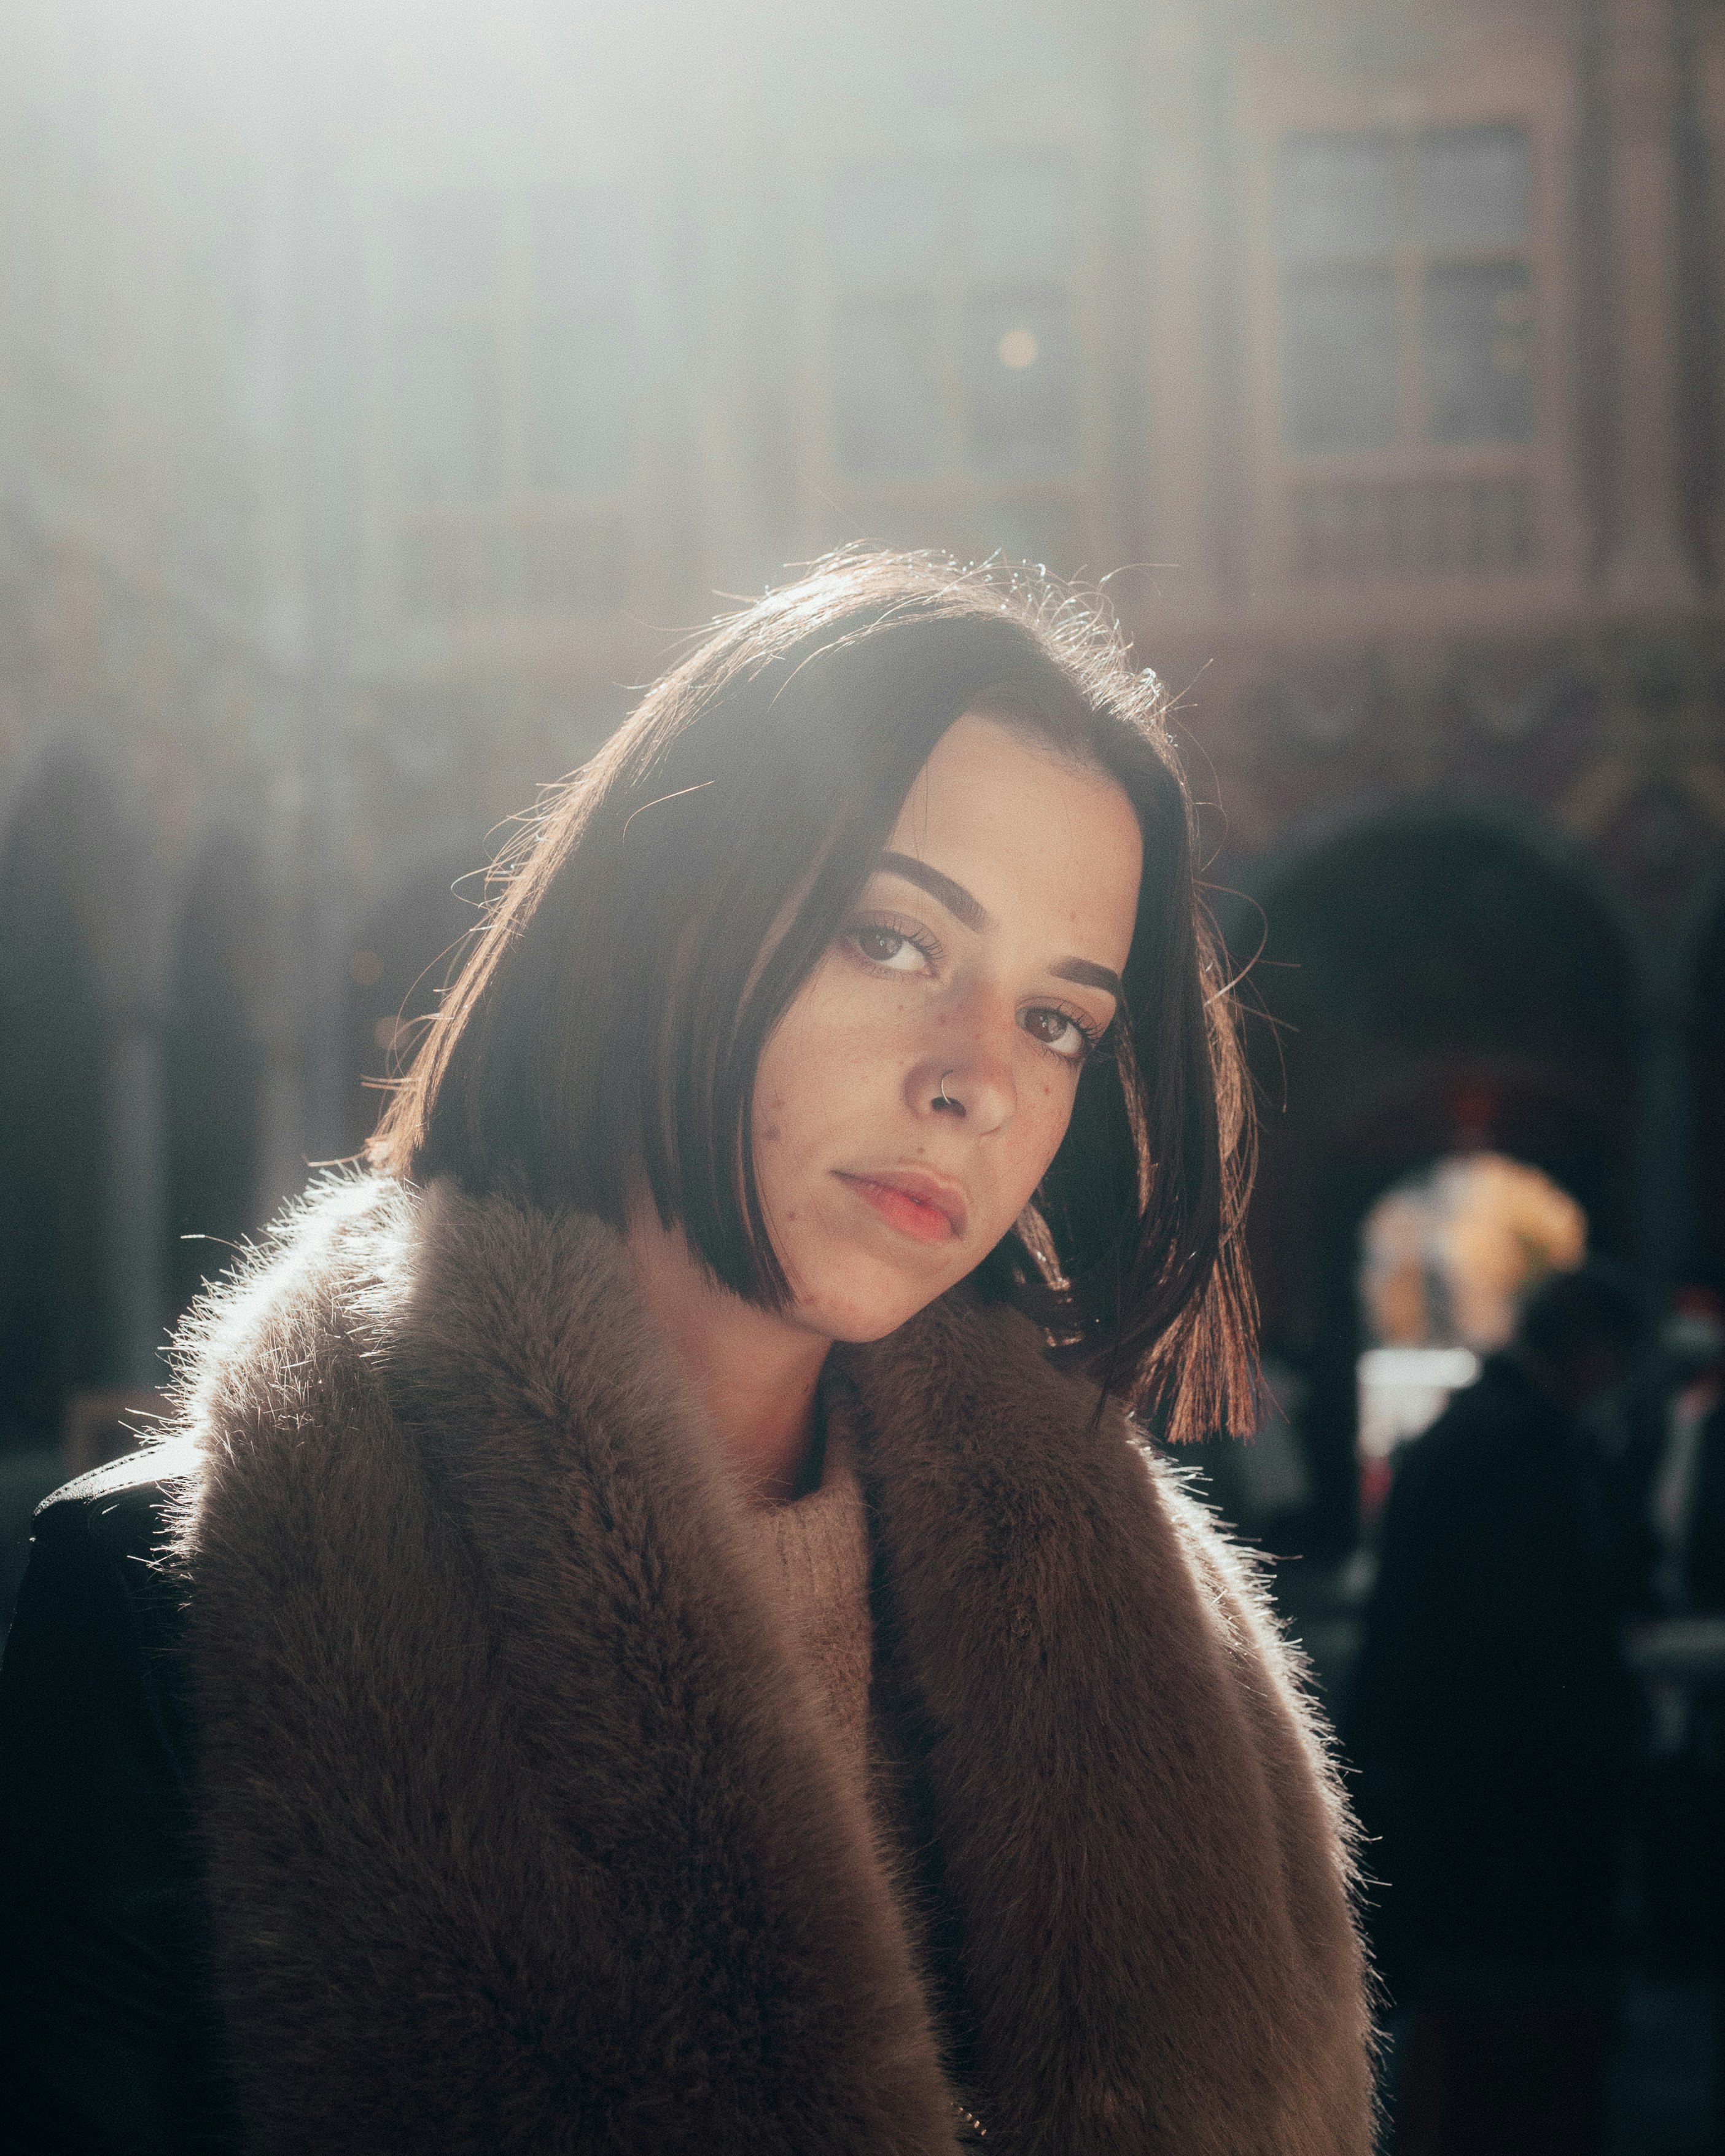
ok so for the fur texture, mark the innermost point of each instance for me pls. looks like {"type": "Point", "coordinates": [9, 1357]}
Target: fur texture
{"type": "Point", "coordinates": [524, 1831]}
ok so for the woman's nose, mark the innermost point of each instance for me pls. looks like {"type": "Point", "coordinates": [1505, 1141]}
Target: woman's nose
{"type": "Point", "coordinates": [970, 1082]}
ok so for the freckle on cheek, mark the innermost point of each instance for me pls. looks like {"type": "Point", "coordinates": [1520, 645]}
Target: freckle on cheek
{"type": "Point", "coordinates": [771, 1135]}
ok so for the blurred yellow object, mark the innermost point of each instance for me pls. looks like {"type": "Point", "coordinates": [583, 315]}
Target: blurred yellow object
{"type": "Point", "coordinates": [1447, 1257]}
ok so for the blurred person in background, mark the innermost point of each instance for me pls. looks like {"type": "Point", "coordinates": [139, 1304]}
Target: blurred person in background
{"type": "Point", "coordinates": [1674, 1481]}
{"type": "Point", "coordinates": [1493, 1722]}
{"type": "Point", "coordinates": [654, 1631]}
{"type": "Point", "coordinates": [1681, 1471]}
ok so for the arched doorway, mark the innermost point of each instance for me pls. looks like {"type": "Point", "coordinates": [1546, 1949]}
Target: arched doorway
{"type": "Point", "coordinates": [400, 959]}
{"type": "Point", "coordinates": [1431, 984]}
{"type": "Point", "coordinates": [212, 1068]}
{"type": "Point", "coordinates": [56, 1316]}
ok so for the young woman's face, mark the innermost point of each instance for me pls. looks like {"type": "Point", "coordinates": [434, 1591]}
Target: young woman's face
{"type": "Point", "coordinates": [914, 1094]}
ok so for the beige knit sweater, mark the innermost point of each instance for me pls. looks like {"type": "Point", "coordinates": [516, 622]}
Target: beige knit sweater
{"type": "Point", "coordinates": [815, 1550]}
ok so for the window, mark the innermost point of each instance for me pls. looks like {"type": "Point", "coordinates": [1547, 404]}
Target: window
{"type": "Point", "coordinates": [888, 387]}
{"type": "Point", "coordinates": [515, 408]}
{"type": "Point", "coordinates": [1407, 288]}
{"type": "Point", "coordinates": [954, 345]}
{"type": "Point", "coordinates": [580, 359]}
{"type": "Point", "coordinates": [447, 392]}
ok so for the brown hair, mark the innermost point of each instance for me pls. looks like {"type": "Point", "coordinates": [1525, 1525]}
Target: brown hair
{"type": "Point", "coordinates": [666, 902]}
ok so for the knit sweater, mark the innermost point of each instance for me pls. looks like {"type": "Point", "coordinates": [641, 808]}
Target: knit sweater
{"type": "Point", "coordinates": [815, 1553]}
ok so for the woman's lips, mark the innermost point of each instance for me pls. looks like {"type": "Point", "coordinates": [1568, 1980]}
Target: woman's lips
{"type": "Point", "coordinates": [917, 1205]}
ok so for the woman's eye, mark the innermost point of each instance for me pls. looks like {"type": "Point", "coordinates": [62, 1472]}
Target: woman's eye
{"type": "Point", "coordinates": [888, 947]}
{"type": "Point", "coordinates": [1056, 1031]}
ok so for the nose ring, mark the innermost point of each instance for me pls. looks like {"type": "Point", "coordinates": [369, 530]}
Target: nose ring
{"type": "Point", "coordinates": [946, 1101]}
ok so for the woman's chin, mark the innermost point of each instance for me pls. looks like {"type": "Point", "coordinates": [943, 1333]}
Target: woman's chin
{"type": "Point", "coordinates": [863, 1300]}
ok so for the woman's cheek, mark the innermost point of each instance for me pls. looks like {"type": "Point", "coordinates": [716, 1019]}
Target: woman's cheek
{"type": "Point", "coordinates": [1049, 1099]}
{"type": "Point", "coordinates": [841, 1015]}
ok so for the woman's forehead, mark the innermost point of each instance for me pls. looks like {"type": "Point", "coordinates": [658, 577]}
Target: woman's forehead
{"type": "Point", "coordinates": [1031, 836]}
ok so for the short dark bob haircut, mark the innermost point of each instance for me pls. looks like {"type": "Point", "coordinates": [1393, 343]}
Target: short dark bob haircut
{"type": "Point", "coordinates": [664, 905]}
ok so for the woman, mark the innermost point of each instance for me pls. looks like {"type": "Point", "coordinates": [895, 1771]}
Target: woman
{"type": "Point", "coordinates": [667, 1637]}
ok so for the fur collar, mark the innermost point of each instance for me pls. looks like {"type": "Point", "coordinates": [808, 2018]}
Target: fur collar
{"type": "Point", "coordinates": [523, 1831]}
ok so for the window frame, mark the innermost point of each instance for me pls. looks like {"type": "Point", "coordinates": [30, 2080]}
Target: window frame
{"type": "Point", "coordinates": [517, 516]}
{"type": "Point", "coordinates": [1411, 259]}
{"type": "Point", "coordinates": [952, 505]}
{"type": "Point", "coordinates": [1511, 81]}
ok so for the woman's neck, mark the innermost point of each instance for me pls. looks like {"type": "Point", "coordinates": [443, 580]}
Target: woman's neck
{"type": "Point", "coordinates": [755, 1373]}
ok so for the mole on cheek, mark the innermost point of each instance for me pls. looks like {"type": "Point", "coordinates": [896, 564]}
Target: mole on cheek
{"type": "Point", "coordinates": [771, 1135]}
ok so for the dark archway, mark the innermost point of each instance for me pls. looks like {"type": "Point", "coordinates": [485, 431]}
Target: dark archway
{"type": "Point", "coordinates": [212, 1071]}
{"type": "Point", "coordinates": [401, 957]}
{"type": "Point", "coordinates": [56, 1323]}
{"type": "Point", "coordinates": [1430, 982]}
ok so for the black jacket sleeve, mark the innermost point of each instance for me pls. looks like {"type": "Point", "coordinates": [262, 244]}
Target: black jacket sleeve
{"type": "Point", "coordinates": [107, 2039]}
{"type": "Point", "coordinates": [1491, 1720]}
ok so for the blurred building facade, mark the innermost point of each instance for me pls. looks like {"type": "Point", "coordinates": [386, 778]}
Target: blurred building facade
{"type": "Point", "coordinates": [376, 404]}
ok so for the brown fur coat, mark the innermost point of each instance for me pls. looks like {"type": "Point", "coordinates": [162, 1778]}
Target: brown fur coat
{"type": "Point", "coordinates": [524, 1830]}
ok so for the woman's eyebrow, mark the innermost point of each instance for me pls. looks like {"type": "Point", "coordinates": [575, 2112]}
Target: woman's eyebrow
{"type": "Point", "coordinates": [1090, 975]}
{"type": "Point", "coordinates": [974, 915]}
{"type": "Point", "coordinates": [956, 899]}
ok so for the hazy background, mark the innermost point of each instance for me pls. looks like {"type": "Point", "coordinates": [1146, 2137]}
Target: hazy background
{"type": "Point", "coordinates": [383, 388]}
